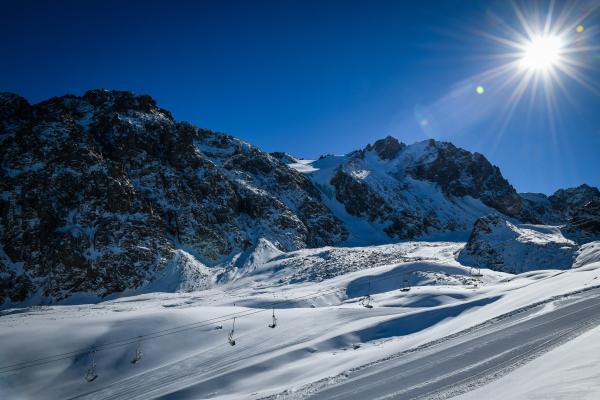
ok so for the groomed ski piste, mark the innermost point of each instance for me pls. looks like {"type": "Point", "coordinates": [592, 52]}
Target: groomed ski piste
{"type": "Point", "coordinates": [498, 336]}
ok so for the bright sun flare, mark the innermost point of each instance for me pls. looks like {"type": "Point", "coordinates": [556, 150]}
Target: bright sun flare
{"type": "Point", "coordinates": [541, 53]}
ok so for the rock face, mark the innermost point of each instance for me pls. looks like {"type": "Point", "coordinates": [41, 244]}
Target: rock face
{"type": "Point", "coordinates": [98, 192]}
{"type": "Point", "coordinates": [498, 244]}
{"type": "Point", "coordinates": [584, 224]}
{"type": "Point", "coordinates": [428, 189]}
{"type": "Point", "coordinates": [106, 192]}
{"type": "Point", "coordinates": [407, 192]}
{"type": "Point", "coordinates": [572, 199]}
{"type": "Point", "coordinates": [460, 173]}
{"type": "Point", "coordinates": [387, 148]}
{"type": "Point", "coordinates": [559, 207]}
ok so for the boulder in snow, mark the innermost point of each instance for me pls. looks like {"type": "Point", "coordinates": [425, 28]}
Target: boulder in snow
{"type": "Point", "coordinates": [498, 244]}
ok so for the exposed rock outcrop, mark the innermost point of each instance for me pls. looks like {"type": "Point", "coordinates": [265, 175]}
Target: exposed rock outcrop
{"type": "Point", "coordinates": [584, 224]}
{"type": "Point", "coordinates": [387, 148]}
{"type": "Point", "coordinates": [500, 245]}
{"type": "Point", "coordinates": [97, 193]}
{"type": "Point", "coordinates": [106, 192]}
{"type": "Point", "coordinates": [559, 207]}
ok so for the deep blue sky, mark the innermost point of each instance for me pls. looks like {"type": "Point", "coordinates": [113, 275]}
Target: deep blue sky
{"type": "Point", "coordinates": [312, 77]}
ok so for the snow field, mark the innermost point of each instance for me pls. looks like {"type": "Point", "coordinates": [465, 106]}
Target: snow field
{"type": "Point", "coordinates": [322, 329]}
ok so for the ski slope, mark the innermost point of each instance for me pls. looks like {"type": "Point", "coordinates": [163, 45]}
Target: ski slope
{"type": "Point", "coordinates": [470, 360]}
{"type": "Point", "coordinates": [571, 371]}
{"type": "Point", "coordinates": [324, 339]}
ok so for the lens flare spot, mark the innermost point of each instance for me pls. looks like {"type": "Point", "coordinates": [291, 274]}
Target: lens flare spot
{"type": "Point", "coordinates": [579, 29]}
{"type": "Point", "coordinates": [480, 90]}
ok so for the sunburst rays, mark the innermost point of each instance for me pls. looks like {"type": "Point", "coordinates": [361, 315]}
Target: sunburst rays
{"type": "Point", "coordinates": [545, 48]}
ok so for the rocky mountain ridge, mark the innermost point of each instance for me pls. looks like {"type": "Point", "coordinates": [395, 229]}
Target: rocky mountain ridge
{"type": "Point", "coordinates": [98, 192]}
{"type": "Point", "coordinates": [431, 187]}
{"type": "Point", "coordinates": [106, 192]}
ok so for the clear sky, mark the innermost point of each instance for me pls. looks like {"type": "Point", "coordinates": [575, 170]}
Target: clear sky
{"type": "Point", "coordinates": [314, 77]}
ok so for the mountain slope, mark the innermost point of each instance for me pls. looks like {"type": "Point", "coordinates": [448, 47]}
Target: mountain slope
{"type": "Point", "coordinates": [393, 191]}
{"type": "Point", "coordinates": [389, 191]}
{"type": "Point", "coordinates": [97, 193]}
{"type": "Point", "coordinates": [561, 206]}
{"type": "Point", "coordinates": [106, 193]}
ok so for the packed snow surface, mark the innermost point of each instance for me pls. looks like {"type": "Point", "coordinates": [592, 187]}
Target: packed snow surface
{"type": "Point", "coordinates": [322, 330]}
{"type": "Point", "coordinates": [571, 371]}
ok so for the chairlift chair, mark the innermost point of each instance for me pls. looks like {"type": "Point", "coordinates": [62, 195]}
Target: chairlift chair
{"type": "Point", "coordinates": [138, 352]}
{"type": "Point", "coordinates": [90, 373]}
{"type": "Point", "coordinates": [274, 324]}
{"type": "Point", "coordinates": [476, 272]}
{"type": "Point", "coordinates": [405, 286]}
{"type": "Point", "coordinates": [366, 301]}
{"type": "Point", "coordinates": [230, 338]}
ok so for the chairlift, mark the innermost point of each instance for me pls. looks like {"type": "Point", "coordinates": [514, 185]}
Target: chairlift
{"type": "Point", "coordinates": [405, 286]}
{"type": "Point", "coordinates": [476, 272]}
{"type": "Point", "coordinates": [138, 352]}
{"type": "Point", "coordinates": [230, 338]}
{"type": "Point", "coordinates": [90, 373]}
{"type": "Point", "coordinates": [218, 327]}
{"type": "Point", "coordinates": [366, 301]}
{"type": "Point", "coordinates": [274, 324]}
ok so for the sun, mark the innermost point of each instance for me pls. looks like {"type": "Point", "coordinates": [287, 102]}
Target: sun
{"type": "Point", "coordinates": [538, 54]}
{"type": "Point", "coordinates": [541, 53]}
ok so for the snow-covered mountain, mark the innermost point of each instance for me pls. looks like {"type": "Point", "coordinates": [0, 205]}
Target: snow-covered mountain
{"type": "Point", "coordinates": [412, 191]}
{"type": "Point", "coordinates": [106, 193]}
{"type": "Point", "coordinates": [429, 189]}
{"type": "Point", "coordinates": [560, 207]}
{"type": "Point", "coordinates": [189, 235]}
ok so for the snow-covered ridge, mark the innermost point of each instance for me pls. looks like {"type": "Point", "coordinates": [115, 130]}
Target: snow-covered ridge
{"type": "Point", "coordinates": [501, 245]}
{"type": "Point", "coordinates": [431, 190]}
{"type": "Point", "coordinates": [399, 191]}
{"type": "Point", "coordinates": [103, 194]}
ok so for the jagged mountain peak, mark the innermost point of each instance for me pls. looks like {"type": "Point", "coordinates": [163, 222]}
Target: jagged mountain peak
{"type": "Point", "coordinates": [576, 196]}
{"type": "Point", "coordinates": [386, 148]}
{"type": "Point", "coordinates": [460, 173]}
{"type": "Point", "coordinates": [426, 188]}
{"type": "Point", "coordinates": [103, 100]}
